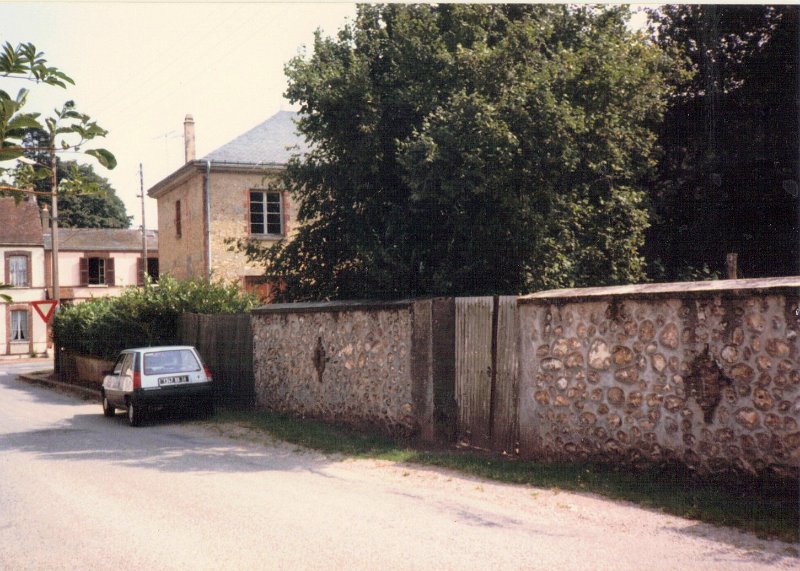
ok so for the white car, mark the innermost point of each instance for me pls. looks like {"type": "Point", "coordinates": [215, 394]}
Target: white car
{"type": "Point", "coordinates": [154, 377]}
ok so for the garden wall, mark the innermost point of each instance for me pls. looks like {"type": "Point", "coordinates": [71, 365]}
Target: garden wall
{"type": "Point", "coordinates": [705, 373]}
{"type": "Point", "coordinates": [373, 364]}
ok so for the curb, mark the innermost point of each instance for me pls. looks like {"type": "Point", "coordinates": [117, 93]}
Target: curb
{"type": "Point", "coordinates": [41, 379]}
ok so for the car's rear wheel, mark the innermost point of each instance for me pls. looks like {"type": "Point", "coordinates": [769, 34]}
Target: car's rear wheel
{"type": "Point", "coordinates": [134, 414]}
{"type": "Point", "coordinates": [108, 408]}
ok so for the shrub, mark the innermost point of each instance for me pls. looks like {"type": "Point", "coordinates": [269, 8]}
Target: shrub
{"type": "Point", "coordinates": [102, 327]}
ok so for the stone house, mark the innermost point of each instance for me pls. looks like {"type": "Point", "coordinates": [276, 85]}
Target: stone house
{"type": "Point", "coordinates": [233, 192]}
{"type": "Point", "coordinates": [22, 332]}
{"type": "Point", "coordinates": [99, 262]}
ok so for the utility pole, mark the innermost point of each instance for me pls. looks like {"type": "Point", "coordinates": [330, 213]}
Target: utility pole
{"type": "Point", "coordinates": [54, 223]}
{"type": "Point", "coordinates": [144, 226]}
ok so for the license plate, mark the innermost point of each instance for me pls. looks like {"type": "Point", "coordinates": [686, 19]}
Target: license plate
{"type": "Point", "coordinates": [173, 380]}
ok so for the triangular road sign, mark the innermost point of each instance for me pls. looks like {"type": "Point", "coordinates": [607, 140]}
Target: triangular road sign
{"type": "Point", "coordinates": [45, 309]}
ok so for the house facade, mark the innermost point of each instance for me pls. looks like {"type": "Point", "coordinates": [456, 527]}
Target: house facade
{"type": "Point", "coordinates": [234, 192]}
{"type": "Point", "coordinates": [99, 262]}
{"type": "Point", "coordinates": [22, 331]}
{"type": "Point", "coordinates": [91, 263]}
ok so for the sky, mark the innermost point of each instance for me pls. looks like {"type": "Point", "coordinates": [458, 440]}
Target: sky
{"type": "Point", "coordinates": [139, 68]}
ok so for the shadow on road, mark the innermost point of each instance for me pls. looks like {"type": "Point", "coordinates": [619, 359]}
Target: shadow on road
{"type": "Point", "coordinates": [168, 448]}
{"type": "Point", "coordinates": [62, 427]}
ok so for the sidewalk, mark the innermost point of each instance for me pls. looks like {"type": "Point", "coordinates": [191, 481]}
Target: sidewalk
{"type": "Point", "coordinates": [44, 378]}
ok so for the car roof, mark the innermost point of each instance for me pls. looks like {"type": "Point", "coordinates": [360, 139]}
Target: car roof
{"type": "Point", "coordinates": [157, 348]}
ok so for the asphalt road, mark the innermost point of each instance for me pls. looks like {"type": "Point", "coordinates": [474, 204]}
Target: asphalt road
{"type": "Point", "coordinates": [80, 491]}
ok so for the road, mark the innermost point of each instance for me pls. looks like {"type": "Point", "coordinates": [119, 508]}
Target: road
{"type": "Point", "coordinates": [80, 491]}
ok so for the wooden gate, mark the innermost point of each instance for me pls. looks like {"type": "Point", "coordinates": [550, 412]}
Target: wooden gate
{"type": "Point", "coordinates": [226, 344]}
{"type": "Point", "coordinates": [486, 371]}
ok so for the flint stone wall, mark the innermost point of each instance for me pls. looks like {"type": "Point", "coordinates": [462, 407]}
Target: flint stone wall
{"type": "Point", "coordinates": [358, 363]}
{"type": "Point", "coordinates": [705, 374]}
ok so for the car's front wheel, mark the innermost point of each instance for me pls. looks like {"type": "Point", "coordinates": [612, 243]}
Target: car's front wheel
{"type": "Point", "coordinates": [108, 408]}
{"type": "Point", "coordinates": [134, 414]}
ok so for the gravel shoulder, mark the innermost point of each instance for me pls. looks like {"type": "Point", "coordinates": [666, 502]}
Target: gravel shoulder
{"type": "Point", "coordinates": [624, 531]}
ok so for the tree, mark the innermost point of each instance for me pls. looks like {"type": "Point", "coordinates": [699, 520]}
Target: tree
{"type": "Point", "coordinates": [474, 149]}
{"type": "Point", "coordinates": [728, 178]}
{"type": "Point", "coordinates": [66, 130]}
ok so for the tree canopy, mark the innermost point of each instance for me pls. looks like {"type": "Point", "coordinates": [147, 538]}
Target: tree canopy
{"type": "Point", "coordinates": [728, 178]}
{"type": "Point", "coordinates": [471, 149]}
{"type": "Point", "coordinates": [67, 129]}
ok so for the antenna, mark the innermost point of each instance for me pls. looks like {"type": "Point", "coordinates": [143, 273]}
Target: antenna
{"type": "Point", "coordinates": [144, 226]}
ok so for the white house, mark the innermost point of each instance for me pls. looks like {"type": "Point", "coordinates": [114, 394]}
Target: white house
{"type": "Point", "coordinates": [22, 330]}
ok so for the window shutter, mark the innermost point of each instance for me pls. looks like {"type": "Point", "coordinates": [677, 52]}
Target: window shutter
{"type": "Point", "coordinates": [84, 271]}
{"type": "Point", "coordinates": [140, 270]}
{"type": "Point", "coordinates": [110, 272]}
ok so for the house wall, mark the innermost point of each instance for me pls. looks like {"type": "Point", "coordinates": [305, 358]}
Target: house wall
{"type": "Point", "coordinates": [230, 219]}
{"type": "Point", "coordinates": [182, 257]}
{"type": "Point", "coordinates": [125, 273]}
{"type": "Point", "coordinates": [21, 300]}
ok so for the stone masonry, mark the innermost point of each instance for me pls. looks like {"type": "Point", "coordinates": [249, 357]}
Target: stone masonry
{"type": "Point", "coordinates": [348, 363]}
{"type": "Point", "coordinates": [709, 378]}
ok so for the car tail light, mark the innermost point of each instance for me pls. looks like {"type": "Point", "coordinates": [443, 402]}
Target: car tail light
{"type": "Point", "coordinates": [137, 380]}
{"type": "Point", "coordinates": [209, 376]}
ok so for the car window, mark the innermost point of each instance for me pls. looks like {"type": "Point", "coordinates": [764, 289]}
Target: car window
{"type": "Point", "coordinates": [126, 364]}
{"type": "Point", "coordinates": [118, 365]}
{"type": "Point", "coordinates": [170, 361]}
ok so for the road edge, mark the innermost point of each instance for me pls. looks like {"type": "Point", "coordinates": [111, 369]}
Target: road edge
{"type": "Point", "coordinates": [42, 378]}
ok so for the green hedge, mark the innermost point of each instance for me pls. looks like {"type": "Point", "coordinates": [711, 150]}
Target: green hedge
{"type": "Point", "coordinates": [142, 317]}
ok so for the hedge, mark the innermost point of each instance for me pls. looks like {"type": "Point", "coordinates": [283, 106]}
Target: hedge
{"type": "Point", "coordinates": [142, 317]}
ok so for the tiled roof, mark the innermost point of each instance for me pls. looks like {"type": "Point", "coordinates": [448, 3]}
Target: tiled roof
{"type": "Point", "coordinates": [20, 224]}
{"type": "Point", "coordinates": [272, 142]}
{"type": "Point", "coordinates": [105, 239]}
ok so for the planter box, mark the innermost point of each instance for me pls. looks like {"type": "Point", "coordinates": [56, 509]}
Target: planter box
{"type": "Point", "coordinates": [90, 369]}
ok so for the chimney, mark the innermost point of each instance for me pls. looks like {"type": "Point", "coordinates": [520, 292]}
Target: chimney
{"type": "Point", "coordinates": [188, 137]}
{"type": "Point", "coordinates": [45, 218]}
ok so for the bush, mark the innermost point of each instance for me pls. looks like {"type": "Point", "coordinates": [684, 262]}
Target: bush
{"type": "Point", "coordinates": [141, 317]}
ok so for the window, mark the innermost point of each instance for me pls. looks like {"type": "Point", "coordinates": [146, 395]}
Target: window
{"type": "Point", "coordinates": [150, 269]}
{"type": "Point", "coordinates": [172, 361]}
{"type": "Point", "coordinates": [177, 218]}
{"type": "Point", "coordinates": [19, 325]}
{"type": "Point", "coordinates": [97, 271]}
{"type": "Point", "coordinates": [18, 270]}
{"type": "Point", "coordinates": [266, 213]}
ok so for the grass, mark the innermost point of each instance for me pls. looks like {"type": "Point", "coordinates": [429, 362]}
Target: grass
{"type": "Point", "coordinates": [767, 507]}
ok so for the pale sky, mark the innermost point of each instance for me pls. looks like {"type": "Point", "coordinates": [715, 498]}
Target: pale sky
{"type": "Point", "coordinates": [139, 68]}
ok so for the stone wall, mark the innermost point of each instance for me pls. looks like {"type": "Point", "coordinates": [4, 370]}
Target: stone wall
{"type": "Point", "coordinates": [182, 256]}
{"type": "Point", "coordinates": [706, 374]}
{"type": "Point", "coordinates": [230, 218]}
{"type": "Point", "coordinates": [359, 363]}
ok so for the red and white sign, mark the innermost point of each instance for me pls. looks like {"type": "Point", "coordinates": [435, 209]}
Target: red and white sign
{"type": "Point", "coordinates": [45, 309]}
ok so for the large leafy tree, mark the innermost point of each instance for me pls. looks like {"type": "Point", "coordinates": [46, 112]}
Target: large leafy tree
{"type": "Point", "coordinates": [86, 199]}
{"type": "Point", "coordinates": [730, 137]}
{"type": "Point", "coordinates": [89, 200]}
{"type": "Point", "coordinates": [470, 149]}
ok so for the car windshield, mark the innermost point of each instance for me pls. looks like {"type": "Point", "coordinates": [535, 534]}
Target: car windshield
{"type": "Point", "coordinates": [170, 361]}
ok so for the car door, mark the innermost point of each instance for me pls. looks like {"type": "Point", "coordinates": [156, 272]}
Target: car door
{"type": "Point", "coordinates": [113, 383]}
